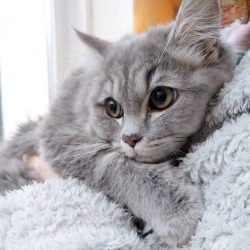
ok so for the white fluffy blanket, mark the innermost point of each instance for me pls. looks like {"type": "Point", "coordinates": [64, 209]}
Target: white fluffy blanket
{"type": "Point", "coordinates": [68, 215]}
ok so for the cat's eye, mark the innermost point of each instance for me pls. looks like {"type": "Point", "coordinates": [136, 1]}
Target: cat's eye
{"type": "Point", "coordinates": [113, 108]}
{"type": "Point", "coordinates": [162, 98]}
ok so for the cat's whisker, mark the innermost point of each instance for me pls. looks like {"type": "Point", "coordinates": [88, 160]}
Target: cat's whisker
{"type": "Point", "coordinates": [79, 151]}
{"type": "Point", "coordinates": [82, 153]}
{"type": "Point", "coordinates": [74, 172]}
{"type": "Point", "coordinates": [178, 153]}
{"type": "Point", "coordinates": [86, 163]}
{"type": "Point", "coordinates": [60, 157]}
{"type": "Point", "coordinates": [65, 169]}
{"type": "Point", "coordinates": [80, 166]}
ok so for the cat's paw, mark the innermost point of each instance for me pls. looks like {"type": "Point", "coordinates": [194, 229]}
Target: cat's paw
{"type": "Point", "coordinates": [178, 226]}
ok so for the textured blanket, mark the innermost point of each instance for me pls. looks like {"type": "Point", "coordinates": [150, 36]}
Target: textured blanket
{"type": "Point", "coordinates": [65, 214]}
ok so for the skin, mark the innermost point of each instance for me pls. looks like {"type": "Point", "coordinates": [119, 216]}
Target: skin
{"type": "Point", "coordinates": [40, 166]}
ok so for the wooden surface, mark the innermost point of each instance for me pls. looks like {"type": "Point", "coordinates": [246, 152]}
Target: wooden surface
{"type": "Point", "coordinates": [149, 13]}
{"type": "Point", "coordinates": [235, 9]}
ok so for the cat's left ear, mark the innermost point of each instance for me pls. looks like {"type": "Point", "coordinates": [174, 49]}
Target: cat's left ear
{"type": "Point", "coordinates": [98, 45]}
{"type": "Point", "coordinates": [195, 33]}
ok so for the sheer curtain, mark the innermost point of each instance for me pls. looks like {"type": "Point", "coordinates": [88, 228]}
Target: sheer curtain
{"type": "Point", "coordinates": [24, 62]}
{"type": "Point", "coordinates": [36, 45]}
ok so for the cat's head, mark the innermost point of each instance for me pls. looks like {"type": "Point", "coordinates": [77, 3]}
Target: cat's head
{"type": "Point", "coordinates": [149, 93]}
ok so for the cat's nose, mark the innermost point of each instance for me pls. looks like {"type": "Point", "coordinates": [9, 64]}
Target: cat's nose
{"type": "Point", "coordinates": [131, 140]}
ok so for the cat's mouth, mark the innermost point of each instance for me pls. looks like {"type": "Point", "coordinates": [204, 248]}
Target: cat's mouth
{"type": "Point", "coordinates": [141, 156]}
{"type": "Point", "coordinates": [153, 155]}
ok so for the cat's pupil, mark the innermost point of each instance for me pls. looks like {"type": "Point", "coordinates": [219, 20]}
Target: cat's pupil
{"type": "Point", "coordinates": [113, 106]}
{"type": "Point", "coordinates": [160, 97]}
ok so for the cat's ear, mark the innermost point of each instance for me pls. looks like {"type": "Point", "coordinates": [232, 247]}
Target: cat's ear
{"type": "Point", "coordinates": [195, 33]}
{"type": "Point", "coordinates": [94, 43]}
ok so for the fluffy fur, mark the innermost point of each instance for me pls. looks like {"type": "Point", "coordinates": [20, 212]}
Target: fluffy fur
{"type": "Point", "coordinates": [68, 215]}
{"type": "Point", "coordinates": [13, 172]}
{"type": "Point", "coordinates": [78, 139]}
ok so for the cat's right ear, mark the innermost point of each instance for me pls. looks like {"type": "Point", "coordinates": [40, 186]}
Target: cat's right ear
{"type": "Point", "coordinates": [98, 45]}
{"type": "Point", "coordinates": [195, 32]}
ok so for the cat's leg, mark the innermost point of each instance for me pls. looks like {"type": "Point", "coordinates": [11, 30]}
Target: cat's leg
{"type": "Point", "coordinates": [168, 202]}
{"type": "Point", "coordinates": [162, 195]}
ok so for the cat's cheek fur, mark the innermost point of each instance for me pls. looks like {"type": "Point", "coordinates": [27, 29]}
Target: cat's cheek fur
{"type": "Point", "coordinates": [105, 127]}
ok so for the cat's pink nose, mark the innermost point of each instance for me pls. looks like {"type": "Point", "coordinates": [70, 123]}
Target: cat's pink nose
{"type": "Point", "coordinates": [131, 140]}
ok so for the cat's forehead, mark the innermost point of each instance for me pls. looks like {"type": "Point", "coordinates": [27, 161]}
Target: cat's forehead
{"type": "Point", "coordinates": [134, 67]}
{"type": "Point", "coordinates": [139, 50]}
{"type": "Point", "coordinates": [130, 63]}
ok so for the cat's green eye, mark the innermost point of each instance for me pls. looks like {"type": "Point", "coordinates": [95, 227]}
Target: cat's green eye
{"type": "Point", "coordinates": [162, 98]}
{"type": "Point", "coordinates": [113, 108]}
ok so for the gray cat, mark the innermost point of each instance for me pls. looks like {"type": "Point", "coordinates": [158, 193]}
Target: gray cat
{"type": "Point", "coordinates": [118, 122]}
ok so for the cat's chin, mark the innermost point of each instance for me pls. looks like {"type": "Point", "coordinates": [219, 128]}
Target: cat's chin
{"type": "Point", "coordinates": [148, 160]}
{"type": "Point", "coordinates": [136, 156]}
{"type": "Point", "coordinates": [139, 154]}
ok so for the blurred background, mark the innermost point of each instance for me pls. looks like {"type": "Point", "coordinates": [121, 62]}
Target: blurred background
{"type": "Point", "coordinates": [37, 43]}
